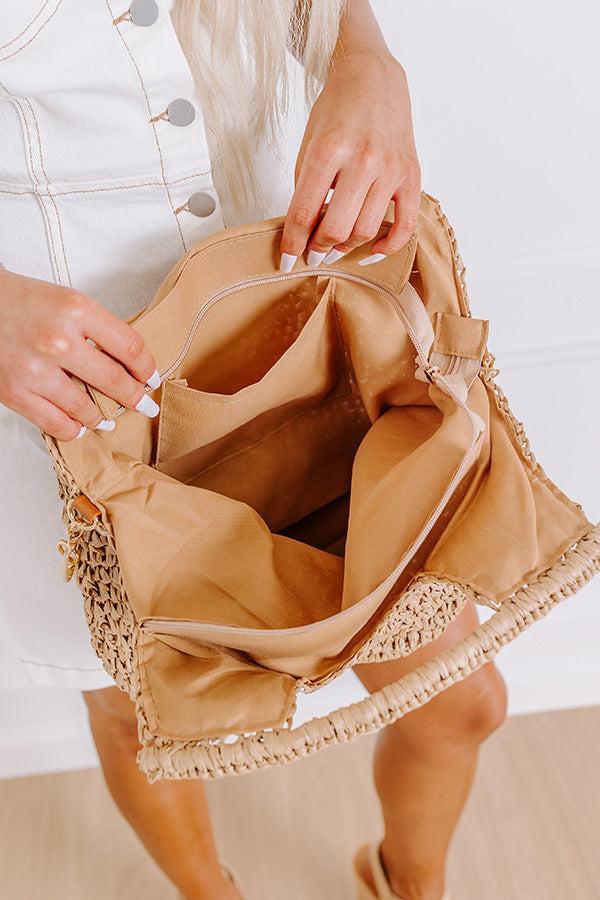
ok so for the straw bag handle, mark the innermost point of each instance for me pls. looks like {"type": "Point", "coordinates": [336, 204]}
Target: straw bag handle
{"type": "Point", "coordinates": [383, 707]}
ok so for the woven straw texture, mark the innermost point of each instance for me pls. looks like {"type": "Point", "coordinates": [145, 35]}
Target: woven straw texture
{"type": "Point", "coordinates": [418, 616]}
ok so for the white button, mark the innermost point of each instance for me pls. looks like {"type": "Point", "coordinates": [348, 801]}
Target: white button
{"type": "Point", "coordinates": [143, 12]}
{"type": "Point", "coordinates": [201, 204]}
{"type": "Point", "coordinates": [181, 112]}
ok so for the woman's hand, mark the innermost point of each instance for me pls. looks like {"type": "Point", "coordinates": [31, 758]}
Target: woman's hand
{"type": "Point", "coordinates": [44, 332]}
{"type": "Point", "coordinates": [359, 140]}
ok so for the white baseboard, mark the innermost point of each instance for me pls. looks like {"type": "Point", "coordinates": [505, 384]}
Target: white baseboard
{"type": "Point", "coordinates": [43, 730]}
{"type": "Point", "coordinates": [69, 751]}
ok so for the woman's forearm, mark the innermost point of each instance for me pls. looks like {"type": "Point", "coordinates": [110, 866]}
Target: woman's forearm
{"type": "Point", "coordinates": [359, 32]}
{"type": "Point", "coordinates": [359, 140]}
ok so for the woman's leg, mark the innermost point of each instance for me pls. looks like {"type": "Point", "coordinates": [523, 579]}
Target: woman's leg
{"type": "Point", "coordinates": [424, 765]}
{"type": "Point", "coordinates": [170, 817]}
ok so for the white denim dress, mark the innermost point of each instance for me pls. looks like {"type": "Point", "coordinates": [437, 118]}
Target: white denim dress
{"type": "Point", "coordinates": [102, 145]}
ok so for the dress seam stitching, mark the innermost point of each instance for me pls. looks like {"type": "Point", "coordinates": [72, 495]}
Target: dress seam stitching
{"type": "Point", "coordinates": [33, 36]}
{"type": "Point", "coordinates": [26, 28]}
{"type": "Point", "coordinates": [23, 189]}
{"type": "Point", "coordinates": [33, 662]}
{"type": "Point", "coordinates": [154, 131]}
{"type": "Point", "coordinates": [36, 182]}
{"type": "Point", "coordinates": [52, 200]}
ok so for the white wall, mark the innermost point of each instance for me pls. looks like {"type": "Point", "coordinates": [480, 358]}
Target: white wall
{"type": "Point", "coordinates": [505, 110]}
{"type": "Point", "coordinates": [506, 118]}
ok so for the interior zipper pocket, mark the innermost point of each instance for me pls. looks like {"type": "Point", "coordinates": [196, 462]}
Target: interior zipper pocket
{"type": "Point", "coordinates": [407, 306]}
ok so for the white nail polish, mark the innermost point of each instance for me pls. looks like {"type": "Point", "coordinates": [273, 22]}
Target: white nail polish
{"type": "Point", "coordinates": [373, 258]}
{"type": "Point", "coordinates": [287, 262]}
{"type": "Point", "coordinates": [106, 425]}
{"type": "Point", "coordinates": [154, 380]}
{"type": "Point", "coordinates": [82, 431]}
{"type": "Point", "coordinates": [315, 258]}
{"type": "Point", "coordinates": [333, 256]}
{"type": "Point", "coordinates": [148, 407]}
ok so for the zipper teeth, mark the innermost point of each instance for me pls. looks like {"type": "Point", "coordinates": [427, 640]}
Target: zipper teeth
{"type": "Point", "coordinates": [290, 276]}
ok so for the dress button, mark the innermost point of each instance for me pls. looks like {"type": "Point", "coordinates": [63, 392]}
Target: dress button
{"type": "Point", "coordinates": [201, 204]}
{"type": "Point", "coordinates": [181, 112]}
{"type": "Point", "coordinates": [143, 12]}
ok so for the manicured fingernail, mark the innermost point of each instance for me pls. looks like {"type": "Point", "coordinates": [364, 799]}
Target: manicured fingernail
{"type": "Point", "coordinates": [287, 262]}
{"type": "Point", "coordinates": [315, 258]}
{"type": "Point", "coordinates": [333, 256]}
{"type": "Point", "coordinates": [148, 407]}
{"type": "Point", "coordinates": [373, 258]}
{"type": "Point", "coordinates": [82, 431]}
{"type": "Point", "coordinates": [106, 425]}
{"type": "Point", "coordinates": [154, 380]}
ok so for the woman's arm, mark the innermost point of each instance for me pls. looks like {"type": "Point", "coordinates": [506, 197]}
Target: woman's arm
{"type": "Point", "coordinates": [359, 29]}
{"type": "Point", "coordinates": [358, 139]}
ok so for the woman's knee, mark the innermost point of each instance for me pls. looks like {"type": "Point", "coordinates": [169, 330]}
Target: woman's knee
{"type": "Point", "coordinates": [467, 713]}
{"type": "Point", "coordinates": [483, 704]}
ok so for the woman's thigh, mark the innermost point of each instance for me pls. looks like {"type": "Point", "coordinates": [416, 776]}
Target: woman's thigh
{"type": "Point", "coordinates": [111, 703]}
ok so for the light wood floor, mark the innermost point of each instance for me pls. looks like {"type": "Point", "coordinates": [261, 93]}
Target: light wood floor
{"type": "Point", "coordinates": [531, 830]}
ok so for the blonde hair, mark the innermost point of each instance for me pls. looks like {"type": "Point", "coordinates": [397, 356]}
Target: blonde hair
{"type": "Point", "coordinates": [239, 54]}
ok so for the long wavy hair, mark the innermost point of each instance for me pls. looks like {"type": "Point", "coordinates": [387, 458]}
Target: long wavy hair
{"type": "Point", "coordinates": [239, 52]}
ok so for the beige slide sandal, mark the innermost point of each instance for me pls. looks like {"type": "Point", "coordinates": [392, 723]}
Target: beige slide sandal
{"type": "Point", "coordinates": [230, 873]}
{"type": "Point", "coordinates": [382, 886]}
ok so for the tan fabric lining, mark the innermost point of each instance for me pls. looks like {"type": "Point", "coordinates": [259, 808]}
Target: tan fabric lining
{"type": "Point", "coordinates": [223, 511]}
{"type": "Point", "coordinates": [457, 335]}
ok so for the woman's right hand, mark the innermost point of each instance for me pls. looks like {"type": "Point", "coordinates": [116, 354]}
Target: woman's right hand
{"type": "Point", "coordinates": [45, 334]}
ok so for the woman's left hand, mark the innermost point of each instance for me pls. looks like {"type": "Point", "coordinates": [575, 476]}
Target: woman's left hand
{"type": "Point", "coordinates": [359, 140]}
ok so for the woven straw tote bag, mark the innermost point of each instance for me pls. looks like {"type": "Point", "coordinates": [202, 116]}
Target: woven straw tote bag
{"type": "Point", "coordinates": [333, 475]}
